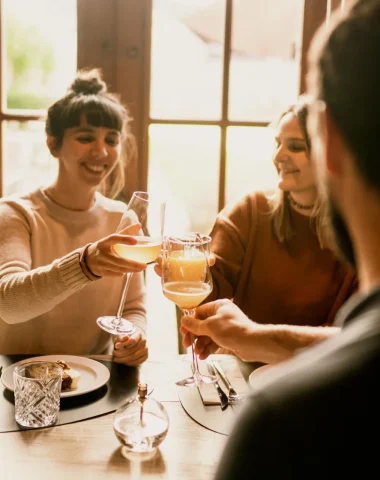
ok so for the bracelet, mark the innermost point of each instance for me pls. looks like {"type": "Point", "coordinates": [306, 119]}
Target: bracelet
{"type": "Point", "coordinates": [85, 268]}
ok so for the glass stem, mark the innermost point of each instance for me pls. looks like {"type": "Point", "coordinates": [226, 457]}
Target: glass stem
{"type": "Point", "coordinates": [119, 314]}
{"type": "Point", "coordinates": [196, 371]}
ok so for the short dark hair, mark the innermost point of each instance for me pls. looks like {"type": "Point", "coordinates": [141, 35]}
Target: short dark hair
{"type": "Point", "coordinates": [349, 83]}
{"type": "Point", "coordinates": [87, 96]}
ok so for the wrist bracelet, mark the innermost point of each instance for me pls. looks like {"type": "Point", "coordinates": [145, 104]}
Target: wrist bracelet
{"type": "Point", "coordinates": [85, 268]}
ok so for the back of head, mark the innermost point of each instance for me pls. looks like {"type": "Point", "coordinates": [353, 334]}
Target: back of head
{"type": "Point", "coordinates": [348, 81]}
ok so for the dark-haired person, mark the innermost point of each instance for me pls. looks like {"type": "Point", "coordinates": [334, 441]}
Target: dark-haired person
{"type": "Point", "coordinates": [317, 415]}
{"type": "Point", "coordinates": [273, 255]}
{"type": "Point", "coordinates": [58, 270]}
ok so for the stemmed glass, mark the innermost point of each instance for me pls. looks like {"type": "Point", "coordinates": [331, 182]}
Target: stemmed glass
{"type": "Point", "coordinates": [186, 280]}
{"type": "Point", "coordinates": [150, 214]}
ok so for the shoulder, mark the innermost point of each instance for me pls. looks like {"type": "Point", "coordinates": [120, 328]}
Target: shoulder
{"type": "Point", "coordinates": [310, 398]}
{"type": "Point", "coordinates": [25, 206]}
{"type": "Point", "coordinates": [250, 205]}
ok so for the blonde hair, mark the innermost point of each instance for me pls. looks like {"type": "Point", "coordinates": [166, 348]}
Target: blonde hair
{"type": "Point", "coordinates": [279, 202]}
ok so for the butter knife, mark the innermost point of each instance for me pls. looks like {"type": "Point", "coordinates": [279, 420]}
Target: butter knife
{"type": "Point", "coordinates": [222, 396]}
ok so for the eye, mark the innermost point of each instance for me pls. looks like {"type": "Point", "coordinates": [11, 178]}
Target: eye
{"type": "Point", "coordinates": [113, 141]}
{"type": "Point", "coordinates": [85, 139]}
{"type": "Point", "coordinates": [297, 147]}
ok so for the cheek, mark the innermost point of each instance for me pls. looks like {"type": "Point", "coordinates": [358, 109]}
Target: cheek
{"type": "Point", "coordinates": [72, 152]}
{"type": "Point", "coordinates": [114, 154]}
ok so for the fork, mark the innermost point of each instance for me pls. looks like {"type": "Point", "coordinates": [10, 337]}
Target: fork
{"type": "Point", "coordinates": [233, 396]}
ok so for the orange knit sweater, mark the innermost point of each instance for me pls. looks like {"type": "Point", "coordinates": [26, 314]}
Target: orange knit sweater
{"type": "Point", "coordinates": [298, 284]}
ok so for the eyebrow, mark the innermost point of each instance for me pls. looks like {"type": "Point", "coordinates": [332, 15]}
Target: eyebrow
{"type": "Point", "coordinates": [298, 139]}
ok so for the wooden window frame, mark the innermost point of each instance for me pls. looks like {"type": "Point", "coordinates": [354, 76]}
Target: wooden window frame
{"type": "Point", "coordinates": [115, 35]}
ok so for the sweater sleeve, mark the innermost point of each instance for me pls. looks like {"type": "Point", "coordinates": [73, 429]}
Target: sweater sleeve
{"type": "Point", "coordinates": [230, 235]}
{"type": "Point", "coordinates": [26, 293]}
{"type": "Point", "coordinates": [134, 308]}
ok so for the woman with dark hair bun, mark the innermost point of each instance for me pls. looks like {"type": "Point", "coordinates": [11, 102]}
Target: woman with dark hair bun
{"type": "Point", "coordinates": [58, 269]}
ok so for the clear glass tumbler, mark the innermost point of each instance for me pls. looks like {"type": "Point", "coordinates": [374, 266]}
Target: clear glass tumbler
{"type": "Point", "coordinates": [37, 390]}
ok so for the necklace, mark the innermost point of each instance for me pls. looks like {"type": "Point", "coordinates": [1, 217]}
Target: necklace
{"type": "Point", "coordinates": [298, 205]}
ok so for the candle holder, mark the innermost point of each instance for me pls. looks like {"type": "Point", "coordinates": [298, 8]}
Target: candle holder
{"type": "Point", "coordinates": [141, 424]}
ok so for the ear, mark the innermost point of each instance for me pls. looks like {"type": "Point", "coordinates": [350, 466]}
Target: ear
{"type": "Point", "coordinates": [51, 143]}
{"type": "Point", "coordinates": [334, 144]}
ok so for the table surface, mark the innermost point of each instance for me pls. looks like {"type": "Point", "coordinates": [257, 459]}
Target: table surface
{"type": "Point", "coordinates": [90, 450]}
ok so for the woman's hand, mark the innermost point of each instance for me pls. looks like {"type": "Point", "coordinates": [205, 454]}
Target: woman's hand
{"type": "Point", "coordinates": [130, 351]}
{"type": "Point", "coordinates": [102, 260]}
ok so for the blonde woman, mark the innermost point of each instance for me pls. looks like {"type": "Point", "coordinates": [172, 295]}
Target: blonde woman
{"type": "Point", "coordinates": [272, 255]}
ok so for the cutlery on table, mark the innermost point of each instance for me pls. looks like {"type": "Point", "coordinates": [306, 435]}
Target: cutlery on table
{"type": "Point", "coordinates": [233, 396]}
{"type": "Point", "coordinates": [222, 396]}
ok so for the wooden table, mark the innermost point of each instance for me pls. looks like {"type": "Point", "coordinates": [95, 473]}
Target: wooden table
{"type": "Point", "coordinates": [90, 450]}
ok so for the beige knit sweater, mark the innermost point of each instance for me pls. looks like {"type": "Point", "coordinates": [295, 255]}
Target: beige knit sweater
{"type": "Point", "coordinates": [47, 304]}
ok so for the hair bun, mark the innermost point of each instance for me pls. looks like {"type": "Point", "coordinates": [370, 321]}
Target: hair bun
{"type": "Point", "coordinates": [88, 82]}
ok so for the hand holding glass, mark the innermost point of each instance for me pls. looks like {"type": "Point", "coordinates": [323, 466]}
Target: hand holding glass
{"type": "Point", "coordinates": [150, 214]}
{"type": "Point", "coordinates": [187, 281]}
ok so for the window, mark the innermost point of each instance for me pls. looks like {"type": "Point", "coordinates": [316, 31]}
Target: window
{"type": "Point", "coordinates": [39, 61]}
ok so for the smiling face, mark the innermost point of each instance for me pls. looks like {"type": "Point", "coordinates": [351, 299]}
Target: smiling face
{"type": "Point", "coordinates": [291, 158]}
{"type": "Point", "coordinates": [87, 154]}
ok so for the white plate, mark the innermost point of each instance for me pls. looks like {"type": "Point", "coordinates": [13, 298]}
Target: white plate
{"type": "Point", "coordinates": [93, 374]}
{"type": "Point", "coordinates": [257, 372]}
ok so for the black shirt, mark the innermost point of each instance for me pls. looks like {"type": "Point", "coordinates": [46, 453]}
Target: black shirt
{"type": "Point", "coordinates": [316, 415]}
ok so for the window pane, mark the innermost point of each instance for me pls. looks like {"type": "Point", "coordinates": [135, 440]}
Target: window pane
{"type": "Point", "coordinates": [27, 163]}
{"type": "Point", "coordinates": [186, 67]}
{"type": "Point", "coordinates": [249, 161]}
{"type": "Point", "coordinates": [184, 167]}
{"type": "Point", "coordinates": [41, 51]}
{"type": "Point", "coordinates": [264, 68]}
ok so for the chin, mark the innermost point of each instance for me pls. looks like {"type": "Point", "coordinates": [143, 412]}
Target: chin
{"type": "Point", "coordinates": [286, 186]}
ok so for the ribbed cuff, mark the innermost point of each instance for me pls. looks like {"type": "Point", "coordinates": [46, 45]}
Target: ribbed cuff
{"type": "Point", "coordinates": [70, 270]}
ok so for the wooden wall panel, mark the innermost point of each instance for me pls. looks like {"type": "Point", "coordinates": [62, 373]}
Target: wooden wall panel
{"type": "Point", "coordinates": [314, 16]}
{"type": "Point", "coordinates": [132, 49]}
{"type": "Point", "coordinates": [97, 37]}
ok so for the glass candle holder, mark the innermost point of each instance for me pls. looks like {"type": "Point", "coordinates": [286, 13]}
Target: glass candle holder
{"type": "Point", "coordinates": [141, 424]}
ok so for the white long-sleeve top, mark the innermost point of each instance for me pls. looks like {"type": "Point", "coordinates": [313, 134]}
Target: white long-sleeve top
{"type": "Point", "coordinates": [47, 304]}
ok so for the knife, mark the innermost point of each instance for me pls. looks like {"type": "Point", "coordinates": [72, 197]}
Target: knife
{"type": "Point", "coordinates": [222, 396]}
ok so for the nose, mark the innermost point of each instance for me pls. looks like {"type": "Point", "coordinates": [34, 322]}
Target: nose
{"type": "Point", "coordinates": [99, 150]}
{"type": "Point", "coordinates": [281, 155]}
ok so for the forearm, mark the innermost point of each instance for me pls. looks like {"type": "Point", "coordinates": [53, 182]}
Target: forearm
{"type": "Point", "coordinates": [26, 295]}
{"type": "Point", "coordinates": [275, 343]}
